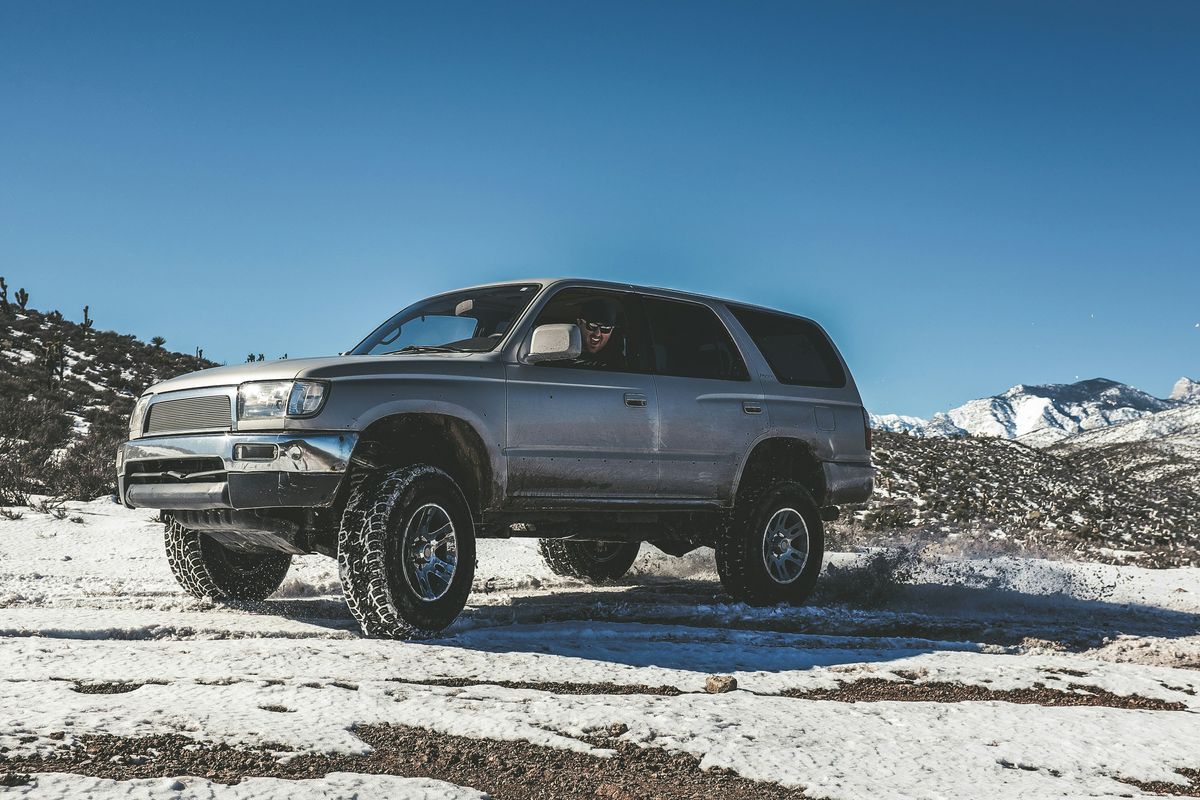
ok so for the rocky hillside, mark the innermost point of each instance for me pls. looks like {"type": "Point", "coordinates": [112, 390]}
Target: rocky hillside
{"type": "Point", "coordinates": [66, 390]}
{"type": "Point", "coordinates": [1045, 414]}
{"type": "Point", "coordinates": [1000, 494]}
{"type": "Point", "coordinates": [1162, 449]}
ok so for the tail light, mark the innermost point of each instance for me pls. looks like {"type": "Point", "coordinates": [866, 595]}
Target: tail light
{"type": "Point", "coordinates": [867, 427]}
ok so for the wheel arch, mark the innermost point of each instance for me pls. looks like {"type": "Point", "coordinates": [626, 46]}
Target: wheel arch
{"type": "Point", "coordinates": [782, 457]}
{"type": "Point", "coordinates": [439, 438]}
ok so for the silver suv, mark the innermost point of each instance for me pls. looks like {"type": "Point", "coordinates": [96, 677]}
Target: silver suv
{"type": "Point", "coordinates": [592, 416]}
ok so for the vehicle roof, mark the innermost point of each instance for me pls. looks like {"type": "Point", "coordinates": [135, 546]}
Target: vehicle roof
{"type": "Point", "coordinates": [631, 287]}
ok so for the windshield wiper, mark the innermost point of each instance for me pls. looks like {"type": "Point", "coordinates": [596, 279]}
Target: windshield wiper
{"type": "Point", "coordinates": [430, 348]}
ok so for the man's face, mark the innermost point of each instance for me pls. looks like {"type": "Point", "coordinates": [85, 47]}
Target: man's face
{"type": "Point", "coordinates": [595, 335]}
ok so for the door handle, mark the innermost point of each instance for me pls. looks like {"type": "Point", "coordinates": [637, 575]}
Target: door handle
{"type": "Point", "coordinates": [752, 407]}
{"type": "Point", "coordinates": [635, 400]}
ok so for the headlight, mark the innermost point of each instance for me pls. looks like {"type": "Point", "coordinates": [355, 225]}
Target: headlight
{"type": "Point", "coordinates": [137, 420]}
{"type": "Point", "coordinates": [263, 399]}
{"type": "Point", "coordinates": [276, 399]}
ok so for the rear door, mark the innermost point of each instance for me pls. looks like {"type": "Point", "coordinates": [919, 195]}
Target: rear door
{"type": "Point", "coordinates": [584, 429]}
{"type": "Point", "coordinates": [710, 409]}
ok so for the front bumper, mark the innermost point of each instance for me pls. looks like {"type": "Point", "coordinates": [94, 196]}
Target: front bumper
{"type": "Point", "coordinates": [210, 470]}
{"type": "Point", "coordinates": [848, 482]}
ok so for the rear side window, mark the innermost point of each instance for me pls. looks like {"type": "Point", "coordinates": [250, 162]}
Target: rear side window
{"type": "Point", "coordinates": [798, 351]}
{"type": "Point", "coordinates": [691, 342]}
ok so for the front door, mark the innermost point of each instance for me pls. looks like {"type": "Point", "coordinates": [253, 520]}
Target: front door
{"type": "Point", "coordinates": [585, 429]}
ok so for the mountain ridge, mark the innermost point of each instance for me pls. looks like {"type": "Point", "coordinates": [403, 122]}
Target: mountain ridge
{"type": "Point", "coordinates": [1043, 414]}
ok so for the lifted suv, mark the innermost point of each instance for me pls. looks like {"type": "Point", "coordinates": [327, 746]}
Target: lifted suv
{"type": "Point", "coordinates": [592, 416]}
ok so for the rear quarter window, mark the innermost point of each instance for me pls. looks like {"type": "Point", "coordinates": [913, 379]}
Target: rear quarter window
{"type": "Point", "coordinates": [798, 352]}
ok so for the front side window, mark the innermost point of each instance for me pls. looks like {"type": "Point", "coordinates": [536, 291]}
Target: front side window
{"type": "Point", "coordinates": [798, 352]}
{"type": "Point", "coordinates": [611, 328]}
{"type": "Point", "coordinates": [690, 341]}
{"type": "Point", "coordinates": [471, 321]}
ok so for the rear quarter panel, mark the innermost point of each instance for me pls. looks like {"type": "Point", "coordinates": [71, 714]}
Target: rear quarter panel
{"type": "Point", "coordinates": [829, 419]}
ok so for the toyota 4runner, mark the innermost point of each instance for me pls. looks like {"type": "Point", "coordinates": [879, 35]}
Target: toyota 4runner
{"type": "Point", "coordinates": [592, 416]}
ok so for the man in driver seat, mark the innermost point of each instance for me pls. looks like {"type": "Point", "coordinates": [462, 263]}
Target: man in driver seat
{"type": "Point", "coordinates": [603, 347]}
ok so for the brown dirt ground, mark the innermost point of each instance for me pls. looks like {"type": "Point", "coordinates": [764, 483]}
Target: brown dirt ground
{"type": "Point", "coordinates": [870, 690]}
{"type": "Point", "coordinates": [505, 770]}
{"type": "Point", "coordinates": [1190, 789]}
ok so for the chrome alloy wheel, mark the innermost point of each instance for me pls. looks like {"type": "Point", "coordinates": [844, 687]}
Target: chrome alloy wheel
{"type": "Point", "coordinates": [430, 552]}
{"type": "Point", "coordinates": [785, 545]}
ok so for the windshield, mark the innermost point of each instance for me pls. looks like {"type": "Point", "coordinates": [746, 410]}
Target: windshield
{"type": "Point", "coordinates": [471, 321]}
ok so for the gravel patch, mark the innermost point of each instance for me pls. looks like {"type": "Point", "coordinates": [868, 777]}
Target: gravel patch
{"type": "Point", "coordinates": [1189, 789]}
{"type": "Point", "coordinates": [506, 770]}
{"type": "Point", "coordinates": [106, 688]}
{"type": "Point", "coordinates": [873, 690]}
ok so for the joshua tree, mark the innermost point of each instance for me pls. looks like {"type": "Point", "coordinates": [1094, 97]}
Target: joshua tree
{"type": "Point", "coordinates": [250, 358]}
{"type": "Point", "coordinates": [158, 342]}
{"type": "Point", "coordinates": [3, 296]}
{"type": "Point", "coordinates": [54, 361]}
{"type": "Point", "coordinates": [22, 298]}
{"type": "Point", "coordinates": [87, 320]}
{"type": "Point", "coordinates": [54, 316]}
{"type": "Point", "coordinates": [199, 352]}
{"type": "Point", "coordinates": [261, 357]}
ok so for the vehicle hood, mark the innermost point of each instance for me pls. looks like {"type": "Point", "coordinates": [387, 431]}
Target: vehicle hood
{"type": "Point", "coordinates": [331, 367]}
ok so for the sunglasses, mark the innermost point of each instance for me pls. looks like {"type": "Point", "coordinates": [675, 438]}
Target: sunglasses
{"type": "Point", "coordinates": [596, 327]}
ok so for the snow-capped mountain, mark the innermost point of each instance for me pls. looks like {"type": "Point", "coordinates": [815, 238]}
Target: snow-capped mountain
{"type": "Point", "coordinates": [1044, 414]}
{"type": "Point", "coordinates": [899, 423]}
{"type": "Point", "coordinates": [1186, 391]}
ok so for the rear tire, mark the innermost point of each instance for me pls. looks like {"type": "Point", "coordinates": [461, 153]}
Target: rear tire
{"type": "Point", "coordinates": [406, 553]}
{"type": "Point", "coordinates": [771, 548]}
{"type": "Point", "coordinates": [206, 568]}
{"type": "Point", "coordinates": [594, 562]}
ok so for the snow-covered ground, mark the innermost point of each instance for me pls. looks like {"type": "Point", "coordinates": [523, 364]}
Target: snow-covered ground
{"type": "Point", "coordinates": [1019, 677]}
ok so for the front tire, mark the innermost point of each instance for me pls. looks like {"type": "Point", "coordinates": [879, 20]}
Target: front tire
{"type": "Point", "coordinates": [594, 562]}
{"type": "Point", "coordinates": [771, 549]}
{"type": "Point", "coordinates": [206, 568]}
{"type": "Point", "coordinates": [406, 553]}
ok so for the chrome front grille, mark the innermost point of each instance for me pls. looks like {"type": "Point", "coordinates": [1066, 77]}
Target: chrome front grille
{"type": "Point", "coordinates": [210, 412]}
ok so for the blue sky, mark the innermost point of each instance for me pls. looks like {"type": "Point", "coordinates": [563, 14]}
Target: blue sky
{"type": "Point", "coordinates": [967, 195]}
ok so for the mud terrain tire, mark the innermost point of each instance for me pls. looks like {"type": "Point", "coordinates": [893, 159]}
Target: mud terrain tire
{"type": "Point", "coordinates": [206, 568]}
{"type": "Point", "coordinates": [406, 553]}
{"type": "Point", "coordinates": [594, 562]}
{"type": "Point", "coordinates": [770, 549]}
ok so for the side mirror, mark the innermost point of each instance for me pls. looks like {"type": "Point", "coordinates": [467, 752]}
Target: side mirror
{"type": "Point", "coordinates": [554, 343]}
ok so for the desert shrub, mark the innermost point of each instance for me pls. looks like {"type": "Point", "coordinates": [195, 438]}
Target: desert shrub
{"type": "Point", "coordinates": [31, 431]}
{"type": "Point", "coordinates": [87, 468]}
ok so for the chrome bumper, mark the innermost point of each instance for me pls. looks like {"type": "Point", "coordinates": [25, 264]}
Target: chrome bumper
{"type": "Point", "coordinates": [848, 482]}
{"type": "Point", "coordinates": [300, 471]}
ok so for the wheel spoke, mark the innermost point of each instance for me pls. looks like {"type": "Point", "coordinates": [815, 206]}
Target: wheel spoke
{"type": "Point", "coordinates": [426, 521]}
{"type": "Point", "coordinates": [443, 570]}
{"type": "Point", "coordinates": [422, 576]}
